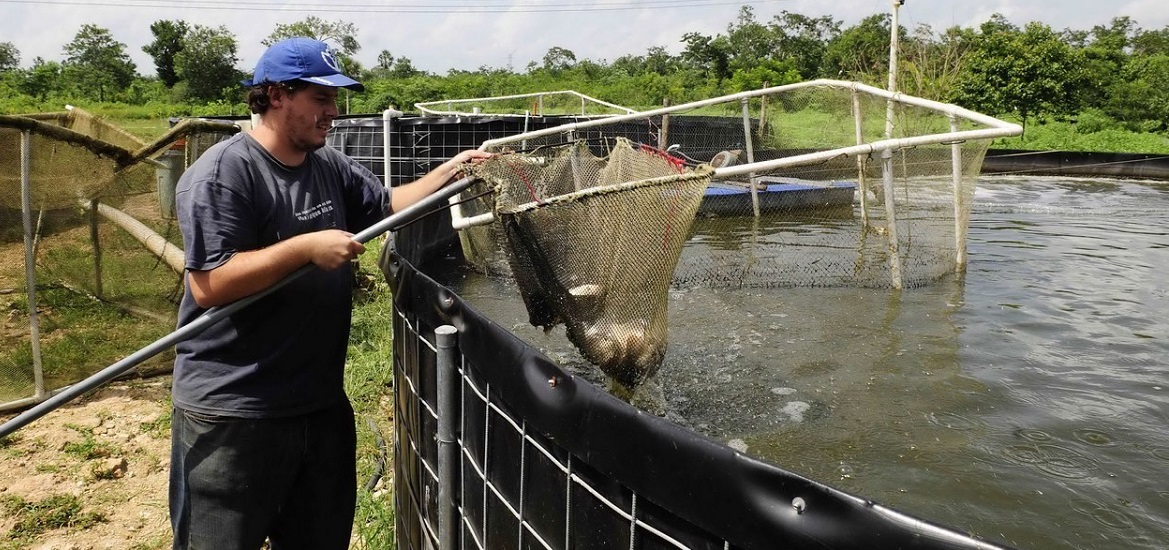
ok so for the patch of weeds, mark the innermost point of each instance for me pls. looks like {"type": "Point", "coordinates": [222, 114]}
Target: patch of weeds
{"type": "Point", "coordinates": [159, 428]}
{"type": "Point", "coordinates": [47, 514]}
{"type": "Point", "coordinates": [88, 448]}
{"type": "Point", "coordinates": [99, 471]}
{"type": "Point", "coordinates": [48, 468]}
{"type": "Point", "coordinates": [16, 446]}
{"type": "Point", "coordinates": [8, 441]}
{"type": "Point", "coordinates": [155, 544]}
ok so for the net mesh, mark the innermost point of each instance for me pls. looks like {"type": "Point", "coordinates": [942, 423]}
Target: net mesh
{"type": "Point", "coordinates": [826, 184]}
{"type": "Point", "coordinates": [606, 282]}
{"type": "Point", "coordinates": [825, 216]}
{"type": "Point", "coordinates": [78, 164]}
{"type": "Point", "coordinates": [75, 155]}
{"type": "Point", "coordinates": [66, 161]}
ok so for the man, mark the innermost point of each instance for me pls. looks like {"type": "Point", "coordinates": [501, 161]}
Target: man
{"type": "Point", "coordinates": [263, 439]}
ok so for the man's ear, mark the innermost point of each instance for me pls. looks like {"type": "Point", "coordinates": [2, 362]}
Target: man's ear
{"type": "Point", "coordinates": [278, 94]}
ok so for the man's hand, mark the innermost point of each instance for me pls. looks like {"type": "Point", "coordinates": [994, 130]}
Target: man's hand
{"type": "Point", "coordinates": [332, 248]}
{"type": "Point", "coordinates": [254, 270]}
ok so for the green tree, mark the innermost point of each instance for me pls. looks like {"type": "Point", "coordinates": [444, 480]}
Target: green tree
{"type": "Point", "coordinates": [1027, 73]}
{"type": "Point", "coordinates": [558, 59]}
{"type": "Point", "coordinates": [656, 61]}
{"type": "Point", "coordinates": [707, 55]}
{"type": "Point", "coordinates": [749, 43]}
{"type": "Point", "coordinates": [168, 42]}
{"type": "Point", "coordinates": [9, 57]}
{"type": "Point", "coordinates": [97, 64]}
{"type": "Point", "coordinates": [1151, 42]}
{"type": "Point", "coordinates": [206, 64]}
{"type": "Point", "coordinates": [1139, 99]}
{"type": "Point", "coordinates": [42, 79]}
{"type": "Point", "coordinates": [861, 52]}
{"type": "Point", "coordinates": [931, 64]}
{"type": "Point", "coordinates": [1105, 52]}
{"type": "Point", "coordinates": [769, 71]}
{"type": "Point", "coordinates": [803, 41]}
{"type": "Point", "coordinates": [340, 35]}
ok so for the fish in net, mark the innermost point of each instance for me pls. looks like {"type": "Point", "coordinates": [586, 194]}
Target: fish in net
{"type": "Point", "coordinates": [592, 242]}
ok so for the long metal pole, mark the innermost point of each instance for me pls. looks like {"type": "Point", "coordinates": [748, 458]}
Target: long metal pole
{"type": "Point", "coordinates": [891, 219]}
{"type": "Point", "coordinates": [388, 117]}
{"type": "Point", "coordinates": [216, 314]}
{"type": "Point", "coordinates": [750, 155]}
{"type": "Point", "coordinates": [894, 35]}
{"type": "Point", "coordinates": [861, 160]}
{"type": "Point", "coordinates": [30, 273]}
{"type": "Point", "coordinates": [446, 341]}
{"type": "Point", "coordinates": [961, 211]}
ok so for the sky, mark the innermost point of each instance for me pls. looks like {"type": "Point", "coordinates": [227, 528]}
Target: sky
{"type": "Point", "coordinates": [440, 35]}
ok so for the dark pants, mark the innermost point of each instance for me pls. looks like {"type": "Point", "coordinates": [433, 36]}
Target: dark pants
{"type": "Point", "coordinates": [236, 481]}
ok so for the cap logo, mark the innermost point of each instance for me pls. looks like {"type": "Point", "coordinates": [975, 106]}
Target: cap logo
{"type": "Point", "coordinates": [330, 60]}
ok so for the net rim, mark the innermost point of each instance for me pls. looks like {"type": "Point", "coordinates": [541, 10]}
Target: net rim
{"type": "Point", "coordinates": [702, 171]}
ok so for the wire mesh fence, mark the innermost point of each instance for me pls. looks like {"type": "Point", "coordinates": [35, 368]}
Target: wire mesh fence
{"type": "Point", "coordinates": [497, 447]}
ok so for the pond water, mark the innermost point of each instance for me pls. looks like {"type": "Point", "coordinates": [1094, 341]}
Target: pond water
{"type": "Point", "coordinates": [1026, 402]}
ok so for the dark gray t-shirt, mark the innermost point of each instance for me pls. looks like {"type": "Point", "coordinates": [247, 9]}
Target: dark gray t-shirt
{"type": "Point", "coordinates": [284, 354]}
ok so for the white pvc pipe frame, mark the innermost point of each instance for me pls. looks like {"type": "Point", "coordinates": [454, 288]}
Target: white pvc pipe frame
{"type": "Point", "coordinates": [996, 129]}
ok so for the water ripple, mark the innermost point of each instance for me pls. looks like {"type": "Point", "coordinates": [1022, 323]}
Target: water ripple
{"type": "Point", "coordinates": [1034, 435]}
{"type": "Point", "coordinates": [1103, 514]}
{"type": "Point", "coordinates": [1093, 437]}
{"type": "Point", "coordinates": [953, 421]}
{"type": "Point", "coordinates": [1051, 459]}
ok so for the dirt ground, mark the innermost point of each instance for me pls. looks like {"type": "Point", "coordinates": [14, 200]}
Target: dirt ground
{"type": "Point", "coordinates": [110, 450]}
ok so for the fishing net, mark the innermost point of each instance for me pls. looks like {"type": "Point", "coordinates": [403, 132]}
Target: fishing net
{"type": "Point", "coordinates": [592, 242]}
{"type": "Point", "coordinates": [825, 183]}
{"type": "Point", "coordinates": [820, 184]}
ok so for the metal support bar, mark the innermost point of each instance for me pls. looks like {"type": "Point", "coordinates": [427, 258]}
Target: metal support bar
{"type": "Point", "coordinates": [95, 238]}
{"type": "Point", "coordinates": [750, 154]}
{"type": "Point", "coordinates": [388, 117]}
{"type": "Point", "coordinates": [891, 219]}
{"type": "Point", "coordinates": [215, 314]}
{"type": "Point", "coordinates": [30, 261]}
{"type": "Point", "coordinates": [861, 160]}
{"type": "Point", "coordinates": [961, 211]}
{"type": "Point", "coordinates": [446, 341]}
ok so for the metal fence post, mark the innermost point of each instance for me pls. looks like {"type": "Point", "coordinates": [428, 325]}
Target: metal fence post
{"type": "Point", "coordinates": [446, 342]}
{"type": "Point", "coordinates": [891, 218]}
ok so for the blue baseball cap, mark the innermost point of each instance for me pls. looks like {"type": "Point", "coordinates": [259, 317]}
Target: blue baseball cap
{"type": "Point", "coordinates": [304, 59]}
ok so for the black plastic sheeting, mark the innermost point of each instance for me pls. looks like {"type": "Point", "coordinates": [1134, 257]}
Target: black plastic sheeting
{"type": "Point", "coordinates": [687, 487]}
{"type": "Point", "coordinates": [1076, 163]}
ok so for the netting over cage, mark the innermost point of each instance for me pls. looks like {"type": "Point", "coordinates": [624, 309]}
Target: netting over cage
{"type": "Point", "coordinates": [574, 220]}
{"type": "Point", "coordinates": [824, 183]}
{"type": "Point", "coordinates": [61, 175]}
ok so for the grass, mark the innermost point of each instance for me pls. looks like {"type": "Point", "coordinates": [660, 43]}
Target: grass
{"type": "Point", "coordinates": [52, 512]}
{"type": "Point", "coordinates": [368, 381]}
{"type": "Point", "coordinates": [81, 331]}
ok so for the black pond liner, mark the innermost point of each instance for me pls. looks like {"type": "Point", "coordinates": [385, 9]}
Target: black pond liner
{"type": "Point", "coordinates": [547, 460]}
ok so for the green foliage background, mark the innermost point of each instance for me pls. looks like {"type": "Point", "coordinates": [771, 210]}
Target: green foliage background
{"type": "Point", "coordinates": [1098, 89]}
